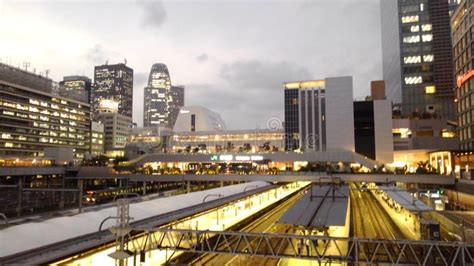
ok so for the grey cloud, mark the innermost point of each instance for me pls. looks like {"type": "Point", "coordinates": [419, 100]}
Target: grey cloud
{"type": "Point", "coordinates": [96, 54]}
{"type": "Point", "coordinates": [256, 75]}
{"type": "Point", "coordinates": [154, 13]}
{"type": "Point", "coordinates": [202, 57]}
{"type": "Point", "coordinates": [252, 92]}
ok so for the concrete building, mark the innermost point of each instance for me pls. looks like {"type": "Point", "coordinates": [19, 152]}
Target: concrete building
{"type": "Point", "coordinates": [417, 63]}
{"type": "Point", "coordinates": [116, 131]}
{"type": "Point", "coordinates": [113, 83]}
{"type": "Point", "coordinates": [161, 100]}
{"type": "Point", "coordinates": [33, 116]}
{"type": "Point", "coordinates": [198, 118]}
{"type": "Point", "coordinates": [424, 134]}
{"type": "Point", "coordinates": [462, 26]}
{"type": "Point", "coordinates": [77, 88]}
{"type": "Point", "coordinates": [377, 90]}
{"type": "Point", "coordinates": [97, 138]}
{"type": "Point", "coordinates": [319, 114]}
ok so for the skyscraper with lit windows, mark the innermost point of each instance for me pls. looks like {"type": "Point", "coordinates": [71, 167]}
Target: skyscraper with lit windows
{"type": "Point", "coordinates": [417, 60]}
{"type": "Point", "coordinates": [161, 100]}
{"type": "Point", "coordinates": [113, 86]}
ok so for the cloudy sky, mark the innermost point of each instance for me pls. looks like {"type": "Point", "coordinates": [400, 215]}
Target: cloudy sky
{"type": "Point", "coordinates": [232, 56]}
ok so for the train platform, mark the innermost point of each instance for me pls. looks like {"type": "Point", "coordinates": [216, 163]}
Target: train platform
{"type": "Point", "coordinates": [69, 234]}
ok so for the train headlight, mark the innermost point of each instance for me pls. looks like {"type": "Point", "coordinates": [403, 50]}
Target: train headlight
{"type": "Point", "coordinates": [88, 199]}
{"type": "Point", "coordinates": [93, 199]}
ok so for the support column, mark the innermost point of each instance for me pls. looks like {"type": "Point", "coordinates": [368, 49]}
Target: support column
{"type": "Point", "coordinates": [81, 188]}
{"type": "Point", "coordinates": [222, 183]}
{"type": "Point", "coordinates": [20, 192]}
{"type": "Point", "coordinates": [144, 188]}
{"type": "Point", "coordinates": [61, 200]}
{"type": "Point", "coordinates": [188, 186]}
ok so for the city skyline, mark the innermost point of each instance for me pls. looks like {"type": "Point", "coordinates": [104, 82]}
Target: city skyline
{"type": "Point", "coordinates": [216, 67]}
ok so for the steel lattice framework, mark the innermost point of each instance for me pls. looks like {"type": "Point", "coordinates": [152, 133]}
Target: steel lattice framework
{"type": "Point", "coordinates": [309, 247]}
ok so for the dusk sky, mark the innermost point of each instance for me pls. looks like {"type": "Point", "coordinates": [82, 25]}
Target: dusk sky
{"type": "Point", "coordinates": [232, 56]}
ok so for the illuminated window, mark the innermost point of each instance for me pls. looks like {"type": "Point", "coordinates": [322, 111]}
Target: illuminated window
{"type": "Point", "coordinates": [426, 27]}
{"type": "Point", "coordinates": [36, 102]}
{"type": "Point", "coordinates": [6, 136]}
{"type": "Point", "coordinates": [428, 58]}
{"type": "Point", "coordinates": [8, 144]}
{"type": "Point", "coordinates": [415, 28]}
{"type": "Point", "coordinates": [412, 59]}
{"type": "Point", "coordinates": [430, 89]}
{"type": "Point", "coordinates": [410, 19]}
{"type": "Point", "coordinates": [403, 133]}
{"type": "Point", "coordinates": [427, 37]}
{"type": "Point", "coordinates": [447, 133]}
{"type": "Point", "coordinates": [411, 39]}
{"type": "Point", "coordinates": [413, 80]}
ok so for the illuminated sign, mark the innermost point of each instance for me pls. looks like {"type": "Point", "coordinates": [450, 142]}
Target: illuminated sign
{"type": "Point", "coordinates": [214, 158]}
{"type": "Point", "coordinates": [463, 78]}
{"type": "Point", "coordinates": [226, 157]}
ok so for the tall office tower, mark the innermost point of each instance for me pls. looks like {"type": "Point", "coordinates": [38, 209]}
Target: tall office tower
{"type": "Point", "coordinates": [177, 94]}
{"type": "Point", "coordinates": [159, 107]}
{"type": "Point", "coordinates": [319, 114]}
{"type": "Point", "coordinates": [462, 27]}
{"type": "Point", "coordinates": [113, 85]}
{"type": "Point", "coordinates": [77, 88]}
{"type": "Point", "coordinates": [417, 61]}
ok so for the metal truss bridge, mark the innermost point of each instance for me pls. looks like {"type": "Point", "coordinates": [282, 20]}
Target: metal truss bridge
{"type": "Point", "coordinates": [308, 247]}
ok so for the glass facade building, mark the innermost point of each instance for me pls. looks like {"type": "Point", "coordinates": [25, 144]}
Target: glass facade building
{"type": "Point", "coordinates": [463, 48]}
{"type": "Point", "coordinates": [113, 85]}
{"type": "Point", "coordinates": [305, 115]}
{"type": "Point", "coordinates": [161, 100]}
{"type": "Point", "coordinates": [417, 61]}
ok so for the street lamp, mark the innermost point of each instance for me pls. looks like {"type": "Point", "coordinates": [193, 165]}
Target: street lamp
{"type": "Point", "coordinates": [211, 195]}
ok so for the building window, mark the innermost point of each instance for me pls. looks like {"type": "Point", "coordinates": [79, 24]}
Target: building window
{"type": "Point", "coordinates": [413, 80]}
{"type": "Point", "coordinates": [426, 27]}
{"type": "Point", "coordinates": [410, 19]}
{"type": "Point", "coordinates": [428, 58]}
{"type": "Point", "coordinates": [430, 89]}
{"type": "Point", "coordinates": [427, 37]}
{"type": "Point", "coordinates": [411, 39]}
{"type": "Point", "coordinates": [412, 59]}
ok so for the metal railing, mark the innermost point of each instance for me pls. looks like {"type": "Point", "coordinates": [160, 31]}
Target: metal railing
{"type": "Point", "coordinates": [308, 247]}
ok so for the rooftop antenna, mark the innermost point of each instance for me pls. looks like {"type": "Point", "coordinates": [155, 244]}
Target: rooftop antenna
{"type": "Point", "coordinates": [26, 65]}
{"type": "Point", "coordinates": [125, 61]}
{"type": "Point", "coordinates": [46, 72]}
{"type": "Point", "coordinates": [107, 62]}
{"type": "Point", "coordinates": [34, 70]}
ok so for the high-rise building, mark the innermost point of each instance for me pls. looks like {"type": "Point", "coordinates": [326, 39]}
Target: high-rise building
{"type": "Point", "coordinates": [116, 131]}
{"type": "Point", "coordinates": [462, 27]}
{"type": "Point", "coordinates": [161, 100]}
{"type": "Point", "coordinates": [77, 88]}
{"type": "Point", "coordinates": [417, 61]}
{"type": "Point", "coordinates": [114, 84]}
{"type": "Point", "coordinates": [453, 5]}
{"type": "Point", "coordinates": [319, 114]}
{"type": "Point", "coordinates": [157, 97]}
{"type": "Point", "coordinates": [33, 116]}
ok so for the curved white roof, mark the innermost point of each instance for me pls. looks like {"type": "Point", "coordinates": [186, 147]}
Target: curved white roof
{"type": "Point", "coordinates": [32, 235]}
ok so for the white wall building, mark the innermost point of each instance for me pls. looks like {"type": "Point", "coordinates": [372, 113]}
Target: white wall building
{"type": "Point", "coordinates": [198, 118]}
